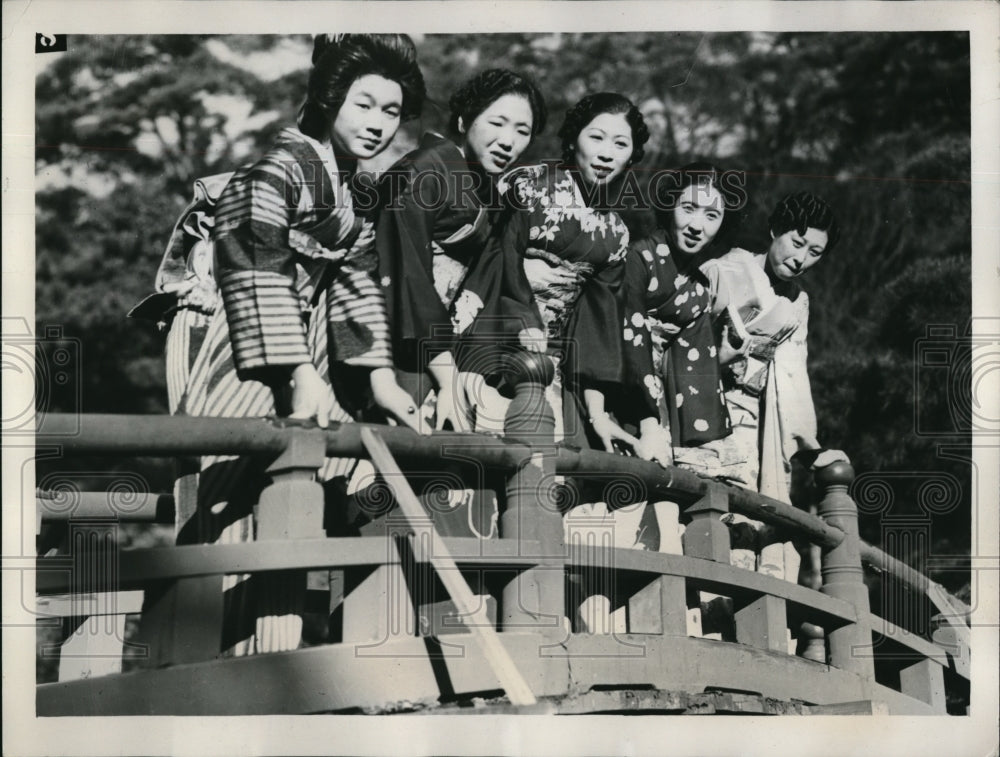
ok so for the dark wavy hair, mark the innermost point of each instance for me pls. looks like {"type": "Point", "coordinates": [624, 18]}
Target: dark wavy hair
{"type": "Point", "coordinates": [731, 185]}
{"type": "Point", "coordinates": [340, 59]}
{"type": "Point", "coordinates": [484, 89]}
{"type": "Point", "coordinates": [801, 211]}
{"type": "Point", "coordinates": [589, 108]}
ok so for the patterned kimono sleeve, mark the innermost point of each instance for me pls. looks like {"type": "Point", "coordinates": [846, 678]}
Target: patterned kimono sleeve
{"type": "Point", "coordinates": [356, 314]}
{"type": "Point", "coordinates": [404, 235]}
{"type": "Point", "coordinates": [603, 359]}
{"type": "Point", "coordinates": [641, 378]}
{"type": "Point", "coordinates": [256, 271]}
{"type": "Point", "coordinates": [515, 310]}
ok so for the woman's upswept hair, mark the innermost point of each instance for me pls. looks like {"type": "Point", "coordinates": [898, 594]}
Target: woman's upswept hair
{"type": "Point", "coordinates": [589, 108]}
{"type": "Point", "coordinates": [801, 211]}
{"type": "Point", "coordinates": [668, 186]}
{"type": "Point", "coordinates": [482, 90]}
{"type": "Point", "coordinates": [339, 59]}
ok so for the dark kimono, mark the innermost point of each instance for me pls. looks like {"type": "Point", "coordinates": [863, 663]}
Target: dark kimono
{"type": "Point", "coordinates": [431, 226]}
{"type": "Point", "coordinates": [550, 219]}
{"type": "Point", "coordinates": [679, 322]}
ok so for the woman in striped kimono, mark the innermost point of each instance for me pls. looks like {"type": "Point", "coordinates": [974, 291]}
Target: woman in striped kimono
{"type": "Point", "coordinates": [303, 330]}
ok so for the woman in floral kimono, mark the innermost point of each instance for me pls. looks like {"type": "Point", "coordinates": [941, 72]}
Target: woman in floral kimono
{"type": "Point", "coordinates": [764, 316]}
{"type": "Point", "coordinates": [438, 206]}
{"type": "Point", "coordinates": [300, 306]}
{"type": "Point", "coordinates": [563, 252]}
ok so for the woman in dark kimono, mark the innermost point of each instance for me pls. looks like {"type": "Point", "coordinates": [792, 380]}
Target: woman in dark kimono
{"type": "Point", "coordinates": [438, 204]}
{"type": "Point", "coordinates": [696, 216]}
{"type": "Point", "coordinates": [298, 301]}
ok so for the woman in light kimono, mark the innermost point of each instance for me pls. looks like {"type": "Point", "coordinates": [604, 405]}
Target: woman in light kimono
{"type": "Point", "coordinates": [298, 327]}
{"type": "Point", "coordinates": [763, 318]}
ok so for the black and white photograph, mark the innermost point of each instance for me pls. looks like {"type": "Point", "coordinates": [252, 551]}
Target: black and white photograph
{"type": "Point", "coordinates": [371, 364]}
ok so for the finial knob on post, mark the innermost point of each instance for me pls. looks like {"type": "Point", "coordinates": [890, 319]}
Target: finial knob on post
{"type": "Point", "coordinates": [839, 473]}
{"type": "Point", "coordinates": [843, 576]}
{"type": "Point", "coordinates": [535, 597]}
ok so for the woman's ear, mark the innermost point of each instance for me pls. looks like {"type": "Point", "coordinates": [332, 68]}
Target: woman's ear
{"type": "Point", "coordinates": [461, 125]}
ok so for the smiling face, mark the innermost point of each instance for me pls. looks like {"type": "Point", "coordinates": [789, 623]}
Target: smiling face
{"type": "Point", "coordinates": [369, 117]}
{"type": "Point", "coordinates": [498, 135]}
{"type": "Point", "coordinates": [791, 254]}
{"type": "Point", "coordinates": [697, 217]}
{"type": "Point", "coordinates": [603, 148]}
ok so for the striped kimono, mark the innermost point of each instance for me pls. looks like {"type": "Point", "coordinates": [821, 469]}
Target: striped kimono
{"type": "Point", "coordinates": [293, 291]}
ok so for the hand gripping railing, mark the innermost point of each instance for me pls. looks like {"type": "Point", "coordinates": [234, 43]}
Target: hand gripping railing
{"type": "Point", "coordinates": [526, 572]}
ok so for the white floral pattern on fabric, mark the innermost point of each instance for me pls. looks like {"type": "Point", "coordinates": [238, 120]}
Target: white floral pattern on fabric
{"type": "Point", "coordinates": [655, 387]}
{"type": "Point", "coordinates": [466, 308]}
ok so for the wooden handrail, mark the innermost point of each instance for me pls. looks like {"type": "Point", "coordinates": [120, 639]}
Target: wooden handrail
{"type": "Point", "coordinates": [135, 435]}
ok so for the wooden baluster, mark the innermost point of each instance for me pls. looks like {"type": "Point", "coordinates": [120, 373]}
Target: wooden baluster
{"type": "Point", "coordinates": [706, 536]}
{"type": "Point", "coordinates": [763, 624]}
{"type": "Point", "coordinates": [843, 577]}
{"type": "Point", "coordinates": [534, 598]}
{"type": "Point", "coordinates": [661, 606]}
{"type": "Point", "coordinates": [290, 508]}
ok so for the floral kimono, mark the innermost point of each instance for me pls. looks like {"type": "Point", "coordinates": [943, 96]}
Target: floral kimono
{"type": "Point", "coordinates": [677, 309]}
{"type": "Point", "coordinates": [291, 290]}
{"type": "Point", "coordinates": [550, 219]}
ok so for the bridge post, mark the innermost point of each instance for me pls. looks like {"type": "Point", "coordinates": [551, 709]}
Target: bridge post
{"type": "Point", "coordinates": [706, 536]}
{"type": "Point", "coordinates": [843, 577]}
{"type": "Point", "coordinates": [290, 508]}
{"type": "Point", "coordinates": [533, 598]}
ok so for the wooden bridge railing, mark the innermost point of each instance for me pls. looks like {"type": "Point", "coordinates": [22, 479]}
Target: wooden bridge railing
{"type": "Point", "coordinates": [536, 574]}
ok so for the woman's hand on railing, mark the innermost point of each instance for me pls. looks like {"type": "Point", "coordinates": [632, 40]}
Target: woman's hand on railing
{"type": "Point", "coordinates": [312, 397]}
{"type": "Point", "coordinates": [654, 442]}
{"type": "Point", "coordinates": [452, 402]}
{"type": "Point", "coordinates": [728, 352]}
{"type": "Point", "coordinates": [823, 457]}
{"type": "Point", "coordinates": [829, 457]}
{"type": "Point", "coordinates": [396, 401]}
{"type": "Point", "coordinates": [533, 340]}
{"type": "Point", "coordinates": [490, 406]}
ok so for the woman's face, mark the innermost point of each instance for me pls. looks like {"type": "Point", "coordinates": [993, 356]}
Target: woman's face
{"type": "Point", "coordinates": [792, 254]}
{"type": "Point", "coordinates": [603, 148]}
{"type": "Point", "coordinates": [697, 217]}
{"type": "Point", "coordinates": [369, 117]}
{"type": "Point", "coordinates": [498, 135]}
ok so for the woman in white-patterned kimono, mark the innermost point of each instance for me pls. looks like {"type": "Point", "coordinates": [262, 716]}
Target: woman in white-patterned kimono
{"type": "Point", "coordinates": [763, 318]}
{"type": "Point", "coordinates": [302, 330]}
